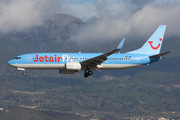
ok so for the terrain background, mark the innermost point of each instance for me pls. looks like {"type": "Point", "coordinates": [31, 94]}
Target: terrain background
{"type": "Point", "coordinates": [152, 90]}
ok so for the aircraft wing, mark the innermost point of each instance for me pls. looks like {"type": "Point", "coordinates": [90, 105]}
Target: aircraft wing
{"type": "Point", "coordinates": [93, 62]}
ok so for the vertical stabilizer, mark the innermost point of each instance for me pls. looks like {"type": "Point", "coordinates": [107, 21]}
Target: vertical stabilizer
{"type": "Point", "coordinates": [153, 44]}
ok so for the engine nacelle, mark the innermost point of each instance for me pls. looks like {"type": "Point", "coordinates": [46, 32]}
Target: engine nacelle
{"type": "Point", "coordinates": [73, 66]}
{"type": "Point", "coordinates": [66, 72]}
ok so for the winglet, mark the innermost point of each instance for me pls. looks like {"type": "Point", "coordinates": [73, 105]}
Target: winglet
{"type": "Point", "coordinates": [120, 46]}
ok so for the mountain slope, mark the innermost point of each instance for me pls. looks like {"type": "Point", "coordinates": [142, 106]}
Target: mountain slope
{"type": "Point", "coordinates": [20, 113]}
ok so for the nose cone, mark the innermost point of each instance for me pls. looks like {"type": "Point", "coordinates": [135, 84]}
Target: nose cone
{"type": "Point", "coordinates": [10, 62]}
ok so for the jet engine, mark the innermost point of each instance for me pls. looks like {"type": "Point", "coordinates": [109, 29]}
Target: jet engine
{"type": "Point", "coordinates": [74, 66]}
{"type": "Point", "coordinates": [66, 72]}
{"type": "Point", "coordinates": [71, 68]}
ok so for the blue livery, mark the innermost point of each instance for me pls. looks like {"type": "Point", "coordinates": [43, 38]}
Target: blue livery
{"type": "Point", "coordinates": [70, 63]}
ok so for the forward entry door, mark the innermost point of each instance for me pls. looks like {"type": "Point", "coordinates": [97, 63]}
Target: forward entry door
{"type": "Point", "coordinates": [28, 58]}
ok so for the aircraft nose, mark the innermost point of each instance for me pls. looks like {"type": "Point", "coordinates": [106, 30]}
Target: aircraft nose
{"type": "Point", "coordinates": [9, 62]}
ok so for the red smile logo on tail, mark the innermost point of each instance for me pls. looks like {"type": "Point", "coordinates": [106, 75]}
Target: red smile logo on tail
{"type": "Point", "coordinates": [155, 48]}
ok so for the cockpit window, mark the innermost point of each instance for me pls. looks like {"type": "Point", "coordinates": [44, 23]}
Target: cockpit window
{"type": "Point", "coordinates": [17, 58]}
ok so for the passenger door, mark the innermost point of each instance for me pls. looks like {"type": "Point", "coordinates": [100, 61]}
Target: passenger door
{"type": "Point", "coordinates": [28, 58]}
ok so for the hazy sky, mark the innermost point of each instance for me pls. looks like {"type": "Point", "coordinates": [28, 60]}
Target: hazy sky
{"type": "Point", "coordinates": [23, 14]}
{"type": "Point", "coordinates": [108, 19]}
{"type": "Point", "coordinates": [116, 19]}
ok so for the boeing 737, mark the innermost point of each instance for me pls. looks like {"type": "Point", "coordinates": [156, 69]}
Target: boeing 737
{"type": "Point", "coordinates": [70, 63]}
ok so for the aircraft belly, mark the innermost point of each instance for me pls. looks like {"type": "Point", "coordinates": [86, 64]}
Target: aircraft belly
{"type": "Point", "coordinates": [40, 66]}
{"type": "Point", "coordinates": [117, 66]}
{"type": "Point", "coordinates": [62, 66]}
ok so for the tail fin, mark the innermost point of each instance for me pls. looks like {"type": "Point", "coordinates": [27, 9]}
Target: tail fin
{"type": "Point", "coordinates": [153, 44]}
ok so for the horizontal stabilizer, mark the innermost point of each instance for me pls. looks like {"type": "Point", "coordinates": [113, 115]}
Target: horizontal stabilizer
{"type": "Point", "coordinates": [120, 46]}
{"type": "Point", "coordinates": [161, 54]}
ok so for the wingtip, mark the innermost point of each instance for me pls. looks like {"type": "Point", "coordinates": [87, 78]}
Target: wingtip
{"type": "Point", "coordinates": [163, 26]}
{"type": "Point", "coordinates": [120, 46]}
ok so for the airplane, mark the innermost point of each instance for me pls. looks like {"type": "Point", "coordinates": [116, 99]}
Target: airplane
{"type": "Point", "coordinates": [70, 63]}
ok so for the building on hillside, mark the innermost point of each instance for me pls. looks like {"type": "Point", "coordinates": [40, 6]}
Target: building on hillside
{"type": "Point", "coordinates": [162, 118]}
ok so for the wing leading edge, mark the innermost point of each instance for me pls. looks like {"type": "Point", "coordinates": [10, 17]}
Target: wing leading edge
{"type": "Point", "coordinates": [93, 62]}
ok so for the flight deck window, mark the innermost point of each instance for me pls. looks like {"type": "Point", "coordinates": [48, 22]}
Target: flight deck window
{"type": "Point", "coordinates": [17, 58]}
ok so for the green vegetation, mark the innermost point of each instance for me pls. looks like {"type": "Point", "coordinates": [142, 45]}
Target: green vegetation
{"type": "Point", "coordinates": [20, 113]}
{"type": "Point", "coordinates": [146, 93]}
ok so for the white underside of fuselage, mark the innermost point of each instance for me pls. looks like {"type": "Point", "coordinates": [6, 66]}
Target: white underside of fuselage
{"type": "Point", "coordinates": [62, 66]}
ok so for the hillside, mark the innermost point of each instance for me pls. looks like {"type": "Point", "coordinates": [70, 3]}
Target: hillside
{"type": "Point", "coordinates": [20, 113]}
{"type": "Point", "coordinates": [138, 92]}
{"type": "Point", "coordinates": [144, 94]}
